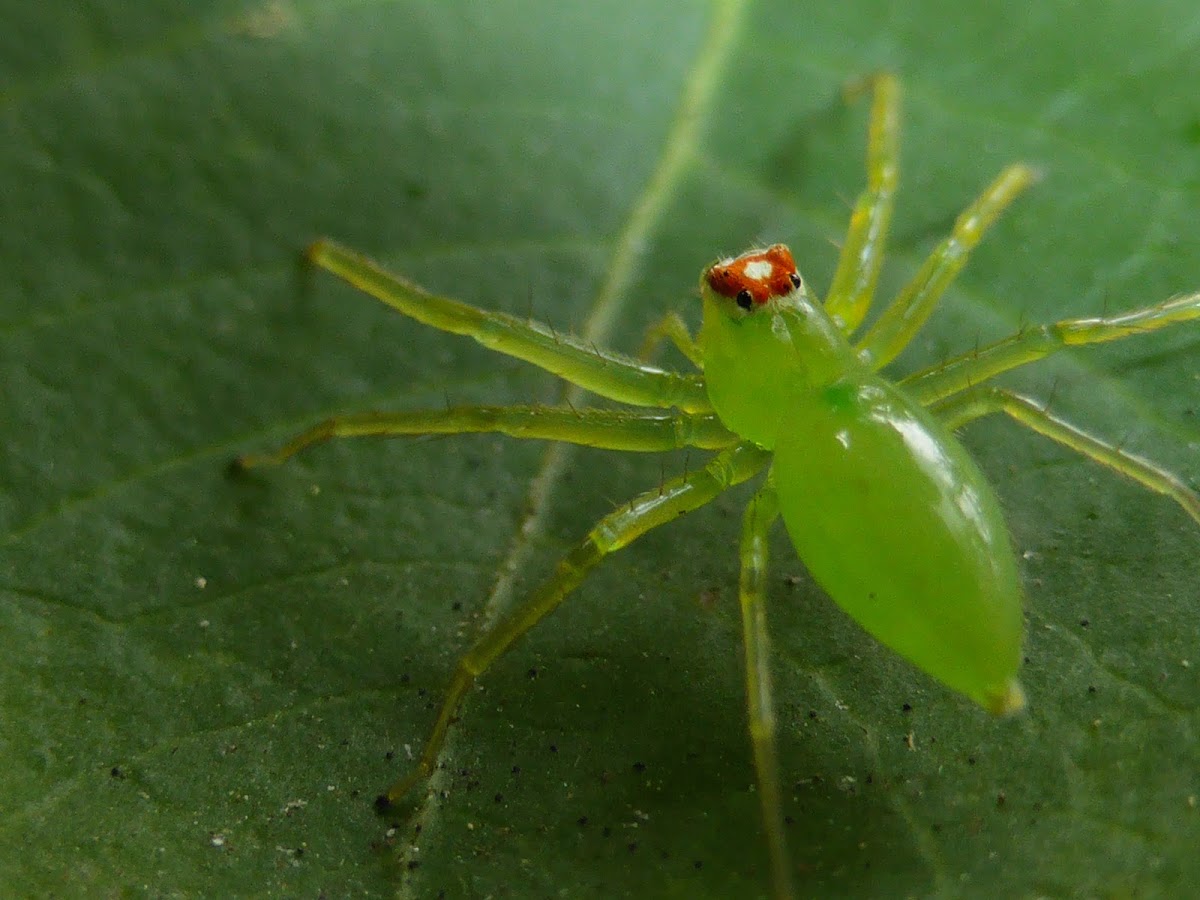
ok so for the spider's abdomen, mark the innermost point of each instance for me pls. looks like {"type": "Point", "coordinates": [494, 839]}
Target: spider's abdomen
{"type": "Point", "coordinates": [896, 522]}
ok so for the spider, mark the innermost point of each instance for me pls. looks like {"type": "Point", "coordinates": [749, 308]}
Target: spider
{"type": "Point", "coordinates": [886, 509]}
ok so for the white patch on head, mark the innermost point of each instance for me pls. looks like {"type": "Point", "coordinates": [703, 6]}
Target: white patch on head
{"type": "Point", "coordinates": [760, 269]}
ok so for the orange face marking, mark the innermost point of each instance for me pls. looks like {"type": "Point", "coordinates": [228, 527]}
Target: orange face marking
{"type": "Point", "coordinates": [755, 277]}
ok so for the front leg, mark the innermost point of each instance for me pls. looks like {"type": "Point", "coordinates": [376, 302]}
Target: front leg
{"type": "Point", "coordinates": [602, 372]}
{"type": "Point", "coordinates": [857, 272]}
{"type": "Point", "coordinates": [905, 316]}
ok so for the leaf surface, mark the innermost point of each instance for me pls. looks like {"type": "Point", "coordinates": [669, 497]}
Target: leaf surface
{"type": "Point", "coordinates": [207, 679]}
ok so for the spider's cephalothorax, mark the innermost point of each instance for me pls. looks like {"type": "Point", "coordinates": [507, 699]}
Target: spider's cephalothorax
{"type": "Point", "coordinates": [764, 339]}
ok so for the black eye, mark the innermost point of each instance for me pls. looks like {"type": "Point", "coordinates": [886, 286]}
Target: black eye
{"type": "Point", "coordinates": [795, 277]}
{"type": "Point", "coordinates": [744, 299]}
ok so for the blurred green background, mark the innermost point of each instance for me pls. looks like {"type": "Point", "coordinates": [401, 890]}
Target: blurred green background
{"type": "Point", "coordinates": [206, 680]}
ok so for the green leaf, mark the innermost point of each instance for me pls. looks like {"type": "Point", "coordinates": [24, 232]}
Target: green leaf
{"type": "Point", "coordinates": [206, 679]}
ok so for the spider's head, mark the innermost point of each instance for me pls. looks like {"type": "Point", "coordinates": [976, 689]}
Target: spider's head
{"type": "Point", "coordinates": [750, 361]}
{"type": "Point", "coordinates": [763, 338]}
{"type": "Point", "coordinates": [754, 280]}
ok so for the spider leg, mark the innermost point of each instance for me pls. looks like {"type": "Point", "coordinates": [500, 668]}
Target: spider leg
{"type": "Point", "coordinates": [862, 253]}
{"type": "Point", "coordinates": [904, 317]}
{"type": "Point", "coordinates": [605, 428]}
{"type": "Point", "coordinates": [602, 372]}
{"type": "Point", "coordinates": [760, 516]}
{"type": "Point", "coordinates": [616, 530]}
{"type": "Point", "coordinates": [671, 327]}
{"type": "Point", "coordinates": [974, 403]}
{"type": "Point", "coordinates": [1027, 345]}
